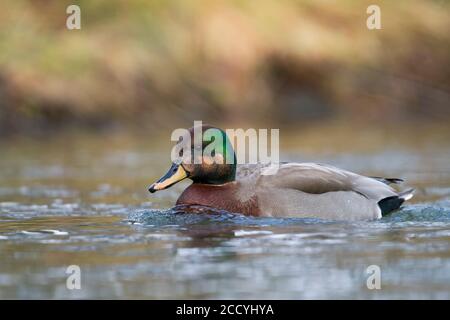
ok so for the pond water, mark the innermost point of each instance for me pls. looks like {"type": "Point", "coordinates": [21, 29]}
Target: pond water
{"type": "Point", "coordinates": [82, 200]}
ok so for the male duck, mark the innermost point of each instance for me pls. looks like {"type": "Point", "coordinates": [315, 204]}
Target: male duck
{"type": "Point", "coordinates": [295, 190]}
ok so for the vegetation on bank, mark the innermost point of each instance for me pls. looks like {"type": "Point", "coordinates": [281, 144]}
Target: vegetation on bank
{"type": "Point", "coordinates": [165, 62]}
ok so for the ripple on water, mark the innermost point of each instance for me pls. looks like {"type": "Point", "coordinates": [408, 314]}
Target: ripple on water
{"type": "Point", "coordinates": [197, 215]}
{"type": "Point", "coordinates": [243, 233]}
{"type": "Point", "coordinates": [437, 214]}
{"type": "Point", "coordinates": [45, 232]}
{"type": "Point", "coordinates": [424, 212]}
{"type": "Point", "coordinates": [39, 192]}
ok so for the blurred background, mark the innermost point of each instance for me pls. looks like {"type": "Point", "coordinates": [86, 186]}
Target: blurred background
{"type": "Point", "coordinates": [142, 65]}
{"type": "Point", "coordinates": [85, 123]}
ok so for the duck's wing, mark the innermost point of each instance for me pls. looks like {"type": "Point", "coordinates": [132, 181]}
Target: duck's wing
{"type": "Point", "coordinates": [318, 179]}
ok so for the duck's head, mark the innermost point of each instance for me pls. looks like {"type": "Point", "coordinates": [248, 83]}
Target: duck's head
{"type": "Point", "coordinates": [210, 160]}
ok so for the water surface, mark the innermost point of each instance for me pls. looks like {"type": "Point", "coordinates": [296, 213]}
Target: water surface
{"type": "Point", "coordinates": [83, 201]}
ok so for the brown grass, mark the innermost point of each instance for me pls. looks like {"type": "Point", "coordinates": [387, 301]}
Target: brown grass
{"type": "Point", "coordinates": [160, 63]}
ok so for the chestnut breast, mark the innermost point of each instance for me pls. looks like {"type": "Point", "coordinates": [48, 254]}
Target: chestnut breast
{"type": "Point", "coordinates": [222, 197]}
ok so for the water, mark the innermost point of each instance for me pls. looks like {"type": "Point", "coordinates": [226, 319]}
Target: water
{"type": "Point", "coordinates": [83, 201]}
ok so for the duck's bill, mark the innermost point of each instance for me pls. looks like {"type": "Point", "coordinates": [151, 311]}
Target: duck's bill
{"type": "Point", "coordinates": [175, 174]}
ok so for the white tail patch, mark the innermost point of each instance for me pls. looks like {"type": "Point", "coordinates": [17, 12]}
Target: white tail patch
{"type": "Point", "coordinates": [407, 195]}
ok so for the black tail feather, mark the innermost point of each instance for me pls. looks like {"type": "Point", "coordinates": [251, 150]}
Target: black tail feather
{"type": "Point", "coordinates": [388, 180]}
{"type": "Point", "coordinates": [390, 204]}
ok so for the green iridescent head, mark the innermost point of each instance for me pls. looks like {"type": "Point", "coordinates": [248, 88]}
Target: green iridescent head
{"type": "Point", "coordinates": [203, 154]}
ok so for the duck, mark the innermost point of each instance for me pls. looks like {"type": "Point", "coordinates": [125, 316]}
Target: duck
{"type": "Point", "coordinates": [299, 190]}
